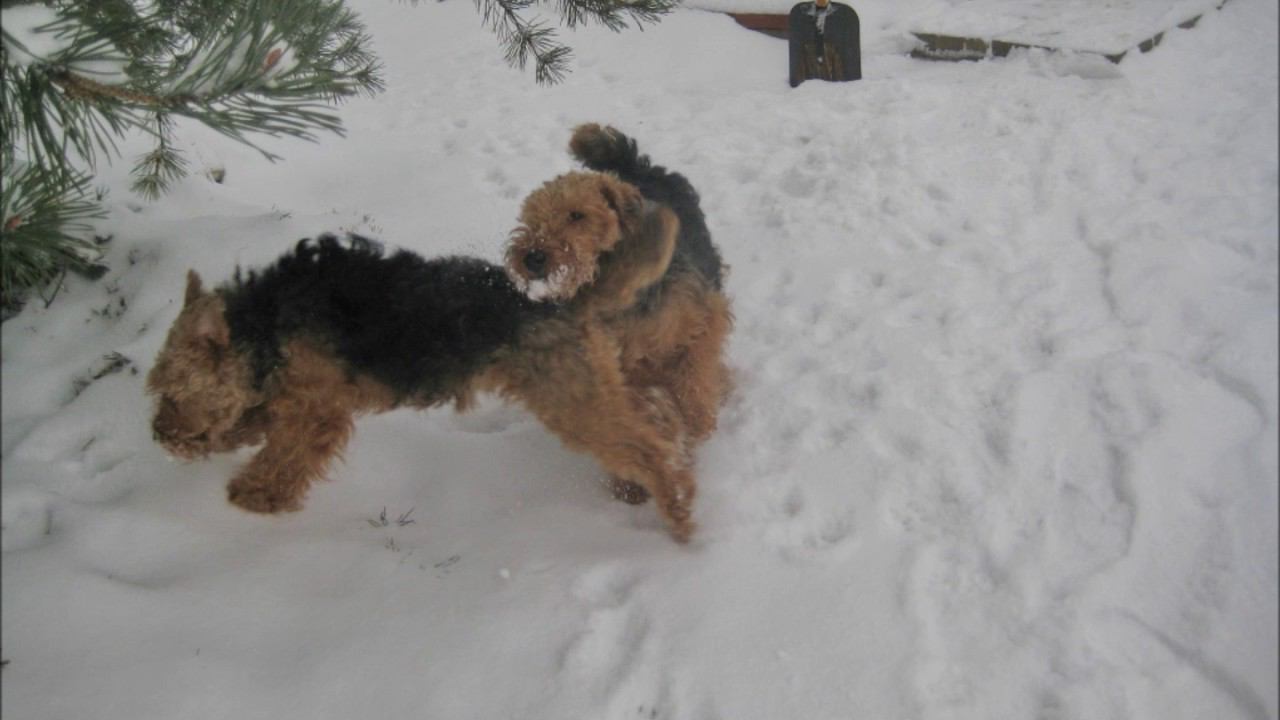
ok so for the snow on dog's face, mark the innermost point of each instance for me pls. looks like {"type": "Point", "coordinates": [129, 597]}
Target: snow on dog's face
{"type": "Point", "coordinates": [205, 402]}
{"type": "Point", "coordinates": [564, 228]}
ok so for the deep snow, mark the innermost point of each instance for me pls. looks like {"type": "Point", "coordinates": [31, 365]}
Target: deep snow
{"type": "Point", "coordinates": [1003, 443]}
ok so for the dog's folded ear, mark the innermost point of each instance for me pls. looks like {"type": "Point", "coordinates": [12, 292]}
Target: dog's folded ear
{"type": "Point", "coordinates": [638, 261]}
{"type": "Point", "coordinates": [650, 248]}
{"type": "Point", "coordinates": [625, 200]}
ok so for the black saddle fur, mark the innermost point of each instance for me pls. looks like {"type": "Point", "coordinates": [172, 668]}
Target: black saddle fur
{"type": "Point", "coordinates": [422, 327]}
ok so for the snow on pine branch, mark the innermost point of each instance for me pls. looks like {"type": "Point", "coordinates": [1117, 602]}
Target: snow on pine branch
{"type": "Point", "coordinates": [76, 77]}
{"type": "Point", "coordinates": [242, 68]}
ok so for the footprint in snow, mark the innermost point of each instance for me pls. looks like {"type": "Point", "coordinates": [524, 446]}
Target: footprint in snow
{"type": "Point", "coordinates": [27, 520]}
{"type": "Point", "coordinates": [604, 586]}
{"type": "Point", "coordinates": [600, 659]}
{"type": "Point", "coordinates": [86, 461]}
{"type": "Point", "coordinates": [937, 193]}
{"type": "Point", "coordinates": [502, 185]}
{"type": "Point", "coordinates": [801, 528]}
{"type": "Point", "coordinates": [799, 184]}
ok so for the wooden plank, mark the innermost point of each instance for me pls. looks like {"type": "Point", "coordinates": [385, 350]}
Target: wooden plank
{"type": "Point", "coordinates": [994, 28]}
{"type": "Point", "coordinates": [774, 24]}
{"type": "Point", "coordinates": [976, 29]}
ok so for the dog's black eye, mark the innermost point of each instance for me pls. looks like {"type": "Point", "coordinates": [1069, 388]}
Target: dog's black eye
{"type": "Point", "coordinates": [575, 216]}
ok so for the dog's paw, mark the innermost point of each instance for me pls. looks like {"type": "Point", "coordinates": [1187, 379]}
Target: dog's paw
{"type": "Point", "coordinates": [627, 491]}
{"type": "Point", "coordinates": [682, 528]}
{"type": "Point", "coordinates": [259, 498]}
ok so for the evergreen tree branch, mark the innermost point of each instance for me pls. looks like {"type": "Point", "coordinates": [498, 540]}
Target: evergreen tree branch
{"type": "Point", "coordinates": [156, 171]}
{"type": "Point", "coordinates": [523, 39]}
{"type": "Point", "coordinates": [88, 73]}
{"type": "Point", "coordinates": [270, 69]}
{"type": "Point", "coordinates": [613, 14]}
{"type": "Point", "coordinates": [43, 228]}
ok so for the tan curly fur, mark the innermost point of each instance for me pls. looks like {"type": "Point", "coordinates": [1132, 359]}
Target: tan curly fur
{"type": "Point", "coordinates": [632, 372]}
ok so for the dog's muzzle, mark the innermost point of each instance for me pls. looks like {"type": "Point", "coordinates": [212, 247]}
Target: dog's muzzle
{"type": "Point", "coordinates": [168, 430]}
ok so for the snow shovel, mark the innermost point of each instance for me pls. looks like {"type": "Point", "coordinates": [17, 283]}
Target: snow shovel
{"type": "Point", "coordinates": [824, 42]}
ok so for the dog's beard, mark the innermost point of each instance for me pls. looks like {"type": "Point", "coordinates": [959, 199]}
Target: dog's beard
{"type": "Point", "coordinates": [550, 287]}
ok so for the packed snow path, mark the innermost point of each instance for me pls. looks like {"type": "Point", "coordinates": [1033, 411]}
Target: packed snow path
{"type": "Point", "coordinates": [1003, 442]}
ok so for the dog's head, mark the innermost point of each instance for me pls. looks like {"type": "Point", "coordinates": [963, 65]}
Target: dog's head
{"type": "Point", "coordinates": [202, 386]}
{"type": "Point", "coordinates": [565, 226]}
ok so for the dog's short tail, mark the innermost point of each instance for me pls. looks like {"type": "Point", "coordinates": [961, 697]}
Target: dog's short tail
{"type": "Point", "coordinates": [605, 149]}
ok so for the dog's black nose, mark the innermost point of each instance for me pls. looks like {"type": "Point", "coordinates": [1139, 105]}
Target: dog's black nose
{"type": "Point", "coordinates": [535, 261]}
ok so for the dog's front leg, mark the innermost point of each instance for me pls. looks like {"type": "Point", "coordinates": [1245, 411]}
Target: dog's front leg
{"type": "Point", "coordinates": [310, 420]}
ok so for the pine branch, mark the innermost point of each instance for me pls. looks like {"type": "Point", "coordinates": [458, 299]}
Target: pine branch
{"type": "Point", "coordinates": [48, 125]}
{"type": "Point", "coordinates": [77, 76]}
{"type": "Point", "coordinates": [156, 171]}
{"type": "Point", "coordinates": [43, 229]}
{"type": "Point", "coordinates": [613, 14]}
{"type": "Point", "coordinates": [524, 39]}
{"type": "Point", "coordinates": [269, 69]}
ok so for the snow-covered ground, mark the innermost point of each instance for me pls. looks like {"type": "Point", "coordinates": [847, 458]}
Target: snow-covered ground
{"type": "Point", "coordinates": [1003, 443]}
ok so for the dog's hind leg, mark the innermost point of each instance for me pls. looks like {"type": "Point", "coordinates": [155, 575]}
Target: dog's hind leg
{"type": "Point", "coordinates": [636, 434]}
{"type": "Point", "coordinates": [700, 380]}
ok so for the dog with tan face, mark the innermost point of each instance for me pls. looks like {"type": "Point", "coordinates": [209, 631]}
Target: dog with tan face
{"type": "Point", "coordinates": [289, 355]}
{"type": "Point", "coordinates": [564, 228]}
{"type": "Point", "coordinates": [635, 376]}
